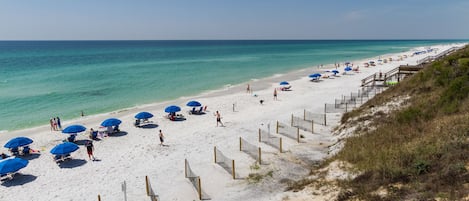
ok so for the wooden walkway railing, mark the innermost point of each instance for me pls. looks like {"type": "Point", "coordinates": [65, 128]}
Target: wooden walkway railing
{"type": "Point", "coordinates": [401, 71]}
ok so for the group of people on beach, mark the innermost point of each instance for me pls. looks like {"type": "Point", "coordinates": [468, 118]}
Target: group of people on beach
{"type": "Point", "coordinates": [55, 124]}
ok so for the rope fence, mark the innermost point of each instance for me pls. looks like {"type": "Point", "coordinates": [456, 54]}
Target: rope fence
{"type": "Point", "coordinates": [300, 123]}
{"type": "Point", "coordinates": [225, 162]}
{"type": "Point", "coordinates": [250, 149]}
{"type": "Point", "coordinates": [288, 131]}
{"type": "Point", "coordinates": [315, 118]}
{"type": "Point", "coordinates": [150, 192]}
{"type": "Point", "coordinates": [270, 140]}
{"type": "Point", "coordinates": [195, 180]}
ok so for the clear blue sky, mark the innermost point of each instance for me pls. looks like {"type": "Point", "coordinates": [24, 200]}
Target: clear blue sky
{"type": "Point", "coordinates": [233, 19]}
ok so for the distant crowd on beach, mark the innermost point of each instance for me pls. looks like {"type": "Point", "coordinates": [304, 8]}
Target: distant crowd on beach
{"type": "Point", "coordinates": [55, 124]}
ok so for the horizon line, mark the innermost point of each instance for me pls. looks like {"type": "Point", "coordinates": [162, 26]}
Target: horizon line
{"type": "Point", "coordinates": [410, 39]}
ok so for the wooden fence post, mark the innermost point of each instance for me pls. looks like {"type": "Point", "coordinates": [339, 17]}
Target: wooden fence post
{"type": "Point", "coordinates": [260, 135]}
{"type": "Point", "coordinates": [215, 153]}
{"type": "Point", "coordinates": [277, 127]}
{"type": "Point", "coordinates": [298, 134]}
{"type": "Point", "coordinates": [185, 167]}
{"type": "Point", "coordinates": [260, 155]}
{"type": "Point", "coordinates": [99, 197]}
{"type": "Point", "coordinates": [147, 186]}
{"type": "Point", "coordinates": [325, 117]}
{"type": "Point", "coordinates": [281, 145]}
{"type": "Point", "coordinates": [233, 171]}
{"type": "Point", "coordinates": [312, 126]}
{"type": "Point", "coordinates": [240, 144]}
{"type": "Point", "coordinates": [199, 190]}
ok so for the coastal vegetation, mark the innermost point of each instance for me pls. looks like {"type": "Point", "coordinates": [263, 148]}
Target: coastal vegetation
{"type": "Point", "coordinates": [417, 151]}
{"type": "Point", "coordinates": [420, 151]}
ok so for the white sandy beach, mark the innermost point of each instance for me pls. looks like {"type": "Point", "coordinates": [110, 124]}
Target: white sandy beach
{"type": "Point", "coordinates": [137, 154]}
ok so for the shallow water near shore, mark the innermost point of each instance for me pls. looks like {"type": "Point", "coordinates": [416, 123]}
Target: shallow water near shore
{"type": "Point", "coordinates": [43, 79]}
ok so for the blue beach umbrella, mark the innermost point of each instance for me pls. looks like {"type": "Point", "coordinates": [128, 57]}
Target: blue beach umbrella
{"type": "Point", "coordinates": [111, 122]}
{"type": "Point", "coordinates": [335, 71]}
{"type": "Point", "coordinates": [18, 142]}
{"type": "Point", "coordinates": [347, 68]}
{"type": "Point", "coordinates": [284, 83]}
{"type": "Point", "coordinates": [172, 108]}
{"type": "Point", "coordinates": [12, 165]}
{"type": "Point", "coordinates": [193, 104]}
{"type": "Point", "coordinates": [74, 129]}
{"type": "Point", "coordinates": [64, 148]}
{"type": "Point", "coordinates": [315, 75]}
{"type": "Point", "coordinates": [143, 115]}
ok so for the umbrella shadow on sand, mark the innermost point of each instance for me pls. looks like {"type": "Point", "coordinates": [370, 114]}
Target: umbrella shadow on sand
{"type": "Point", "coordinates": [30, 156]}
{"type": "Point", "coordinates": [72, 163]}
{"type": "Point", "coordinates": [118, 134]}
{"type": "Point", "coordinates": [81, 142]}
{"type": "Point", "coordinates": [19, 179]}
{"type": "Point", "coordinates": [149, 126]}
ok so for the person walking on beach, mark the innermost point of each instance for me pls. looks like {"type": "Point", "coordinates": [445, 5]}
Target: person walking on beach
{"type": "Point", "coordinates": [59, 124]}
{"type": "Point", "coordinates": [248, 89]}
{"type": "Point", "coordinates": [217, 114]}
{"type": "Point", "coordinates": [51, 121]}
{"type": "Point", "coordinates": [54, 122]}
{"type": "Point", "coordinates": [275, 93]}
{"type": "Point", "coordinates": [161, 138]}
{"type": "Point", "coordinates": [89, 149]}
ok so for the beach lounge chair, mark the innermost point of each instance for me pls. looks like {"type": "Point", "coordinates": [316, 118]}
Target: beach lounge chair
{"type": "Point", "coordinates": [287, 88]}
{"type": "Point", "coordinates": [137, 123]}
{"type": "Point", "coordinates": [94, 135]}
{"type": "Point", "coordinates": [71, 138]}
{"type": "Point", "coordinates": [356, 69]}
{"type": "Point", "coordinates": [26, 150]}
{"type": "Point", "coordinates": [3, 156]}
{"type": "Point", "coordinates": [5, 177]}
{"type": "Point", "coordinates": [61, 158]}
{"type": "Point", "coordinates": [116, 129]}
{"type": "Point", "coordinates": [14, 151]}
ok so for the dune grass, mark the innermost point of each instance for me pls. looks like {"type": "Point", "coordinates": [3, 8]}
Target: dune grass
{"type": "Point", "coordinates": [422, 148]}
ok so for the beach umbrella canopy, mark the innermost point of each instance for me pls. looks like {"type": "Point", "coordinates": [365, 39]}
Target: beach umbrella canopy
{"type": "Point", "coordinates": [74, 129]}
{"type": "Point", "coordinates": [347, 68]}
{"type": "Point", "coordinates": [193, 104]}
{"type": "Point", "coordinates": [335, 71]}
{"type": "Point", "coordinates": [12, 165]}
{"type": "Point", "coordinates": [315, 75]}
{"type": "Point", "coordinates": [64, 148]}
{"type": "Point", "coordinates": [172, 108]}
{"type": "Point", "coordinates": [111, 122]}
{"type": "Point", "coordinates": [143, 115]}
{"type": "Point", "coordinates": [18, 142]}
{"type": "Point", "coordinates": [284, 83]}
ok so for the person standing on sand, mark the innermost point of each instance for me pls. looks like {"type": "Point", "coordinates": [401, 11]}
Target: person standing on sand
{"type": "Point", "coordinates": [275, 93]}
{"type": "Point", "coordinates": [248, 89]}
{"type": "Point", "coordinates": [51, 124]}
{"type": "Point", "coordinates": [161, 138]}
{"type": "Point", "coordinates": [59, 124]}
{"type": "Point", "coordinates": [89, 149]}
{"type": "Point", "coordinates": [217, 114]}
{"type": "Point", "coordinates": [54, 122]}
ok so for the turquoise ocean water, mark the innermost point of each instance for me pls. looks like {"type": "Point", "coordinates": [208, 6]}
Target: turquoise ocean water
{"type": "Point", "coordinates": [43, 79]}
